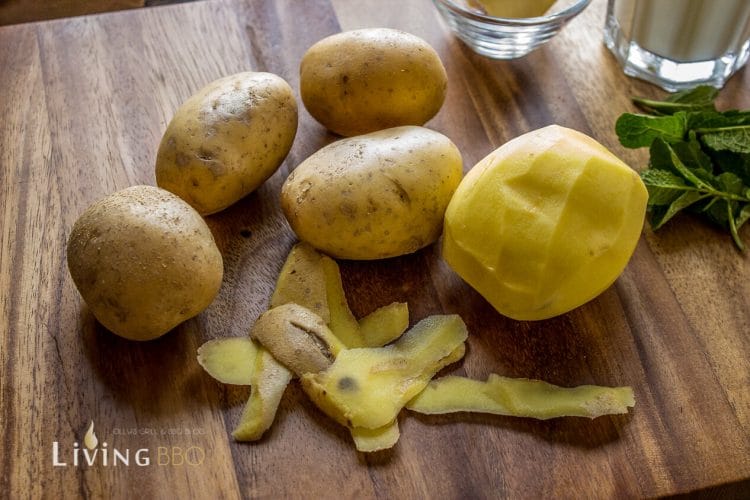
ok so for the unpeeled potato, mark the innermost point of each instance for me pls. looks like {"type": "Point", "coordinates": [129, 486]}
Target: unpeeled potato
{"type": "Point", "coordinates": [374, 196]}
{"type": "Point", "coordinates": [144, 261]}
{"type": "Point", "coordinates": [365, 80]}
{"type": "Point", "coordinates": [227, 139]}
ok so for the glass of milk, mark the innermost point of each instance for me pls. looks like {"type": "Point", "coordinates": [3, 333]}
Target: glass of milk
{"type": "Point", "coordinates": [679, 44]}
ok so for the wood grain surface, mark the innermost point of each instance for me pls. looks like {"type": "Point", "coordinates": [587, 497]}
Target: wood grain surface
{"type": "Point", "coordinates": [24, 11]}
{"type": "Point", "coordinates": [84, 102]}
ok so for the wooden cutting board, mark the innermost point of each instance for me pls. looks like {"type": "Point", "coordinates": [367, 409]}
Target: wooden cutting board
{"type": "Point", "coordinates": [84, 102]}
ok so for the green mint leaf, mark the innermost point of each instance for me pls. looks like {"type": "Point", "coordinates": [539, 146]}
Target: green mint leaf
{"type": "Point", "coordinates": [737, 163]}
{"type": "Point", "coordinates": [698, 99]}
{"type": "Point", "coordinates": [715, 211]}
{"type": "Point", "coordinates": [715, 119]}
{"type": "Point", "coordinates": [663, 186]}
{"type": "Point", "coordinates": [660, 217]}
{"type": "Point", "coordinates": [638, 131]}
{"type": "Point", "coordinates": [723, 213]}
{"type": "Point", "coordinates": [699, 158]}
{"type": "Point", "coordinates": [705, 207]}
{"type": "Point", "coordinates": [743, 216]}
{"type": "Point", "coordinates": [702, 95]}
{"type": "Point", "coordinates": [735, 139]}
{"type": "Point", "coordinates": [692, 155]}
{"type": "Point", "coordinates": [730, 183]}
{"type": "Point", "coordinates": [665, 157]}
{"type": "Point", "coordinates": [660, 157]}
{"type": "Point", "coordinates": [698, 180]}
{"type": "Point", "coordinates": [733, 227]}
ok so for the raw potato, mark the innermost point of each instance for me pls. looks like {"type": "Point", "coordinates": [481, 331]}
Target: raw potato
{"type": "Point", "coordinates": [144, 261]}
{"type": "Point", "coordinates": [367, 387]}
{"type": "Point", "coordinates": [227, 139]}
{"type": "Point", "coordinates": [520, 398]}
{"type": "Point", "coordinates": [371, 79]}
{"type": "Point", "coordinates": [544, 223]}
{"type": "Point", "coordinates": [374, 196]}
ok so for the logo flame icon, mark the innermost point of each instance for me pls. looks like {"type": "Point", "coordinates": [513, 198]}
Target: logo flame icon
{"type": "Point", "coordinates": [90, 439]}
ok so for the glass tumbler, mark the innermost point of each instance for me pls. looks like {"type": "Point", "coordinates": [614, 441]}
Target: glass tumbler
{"type": "Point", "coordinates": [678, 44]}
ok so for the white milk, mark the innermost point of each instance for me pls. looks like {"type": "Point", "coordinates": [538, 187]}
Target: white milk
{"type": "Point", "coordinates": [685, 30]}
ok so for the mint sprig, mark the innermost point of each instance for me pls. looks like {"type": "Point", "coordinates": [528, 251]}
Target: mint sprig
{"type": "Point", "coordinates": [699, 158]}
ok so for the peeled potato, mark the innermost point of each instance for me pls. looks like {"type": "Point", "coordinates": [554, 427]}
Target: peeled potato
{"type": "Point", "coordinates": [544, 223]}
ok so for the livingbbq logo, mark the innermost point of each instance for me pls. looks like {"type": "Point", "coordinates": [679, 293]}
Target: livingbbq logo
{"type": "Point", "coordinates": [93, 453]}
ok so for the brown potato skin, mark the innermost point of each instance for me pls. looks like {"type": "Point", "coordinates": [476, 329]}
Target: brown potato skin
{"type": "Point", "coordinates": [374, 196]}
{"type": "Point", "coordinates": [227, 139]}
{"type": "Point", "coordinates": [144, 261]}
{"type": "Point", "coordinates": [361, 81]}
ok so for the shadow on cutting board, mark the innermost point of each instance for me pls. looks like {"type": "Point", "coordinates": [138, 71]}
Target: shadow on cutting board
{"type": "Point", "coordinates": [156, 377]}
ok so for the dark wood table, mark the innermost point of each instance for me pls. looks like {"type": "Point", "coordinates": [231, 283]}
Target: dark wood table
{"type": "Point", "coordinates": [84, 102]}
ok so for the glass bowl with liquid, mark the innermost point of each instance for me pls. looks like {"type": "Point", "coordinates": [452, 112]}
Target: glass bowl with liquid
{"type": "Point", "coordinates": [507, 29]}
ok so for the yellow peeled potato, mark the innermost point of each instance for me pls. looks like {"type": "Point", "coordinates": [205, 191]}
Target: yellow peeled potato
{"type": "Point", "coordinates": [227, 139]}
{"type": "Point", "coordinates": [374, 196]}
{"type": "Point", "coordinates": [144, 261]}
{"type": "Point", "coordinates": [360, 81]}
{"type": "Point", "coordinates": [544, 223]}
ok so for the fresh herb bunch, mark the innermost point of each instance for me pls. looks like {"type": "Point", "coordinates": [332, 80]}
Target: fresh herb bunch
{"type": "Point", "coordinates": [700, 157]}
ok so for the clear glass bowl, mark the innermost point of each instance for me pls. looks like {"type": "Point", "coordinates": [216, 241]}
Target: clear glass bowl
{"type": "Point", "coordinates": [506, 38]}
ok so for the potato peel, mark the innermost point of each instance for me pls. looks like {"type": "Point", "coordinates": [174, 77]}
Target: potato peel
{"type": "Point", "coordinates": [520, 397]}
{"type": "Point", "coordinates": [362, 373]}
{"type": "Point", "coordinates": [367, 387]}
{"type": "Point", "coordinates": [297, 337]}
{"type": "Point", "coordinates": [384, 325]}
{"type": "Point", "coordinates": [342, 322]}
{"type": "Point", "coordinates": [229, 360]}
{"type": "Point", "coordinates": [268, 382]}
{"type": "Point", "coordinates": [371, 440]}
{"type": "Point", "coordinates": [302, 281]}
